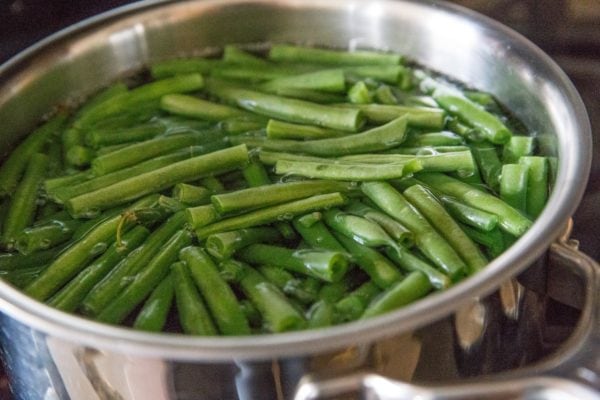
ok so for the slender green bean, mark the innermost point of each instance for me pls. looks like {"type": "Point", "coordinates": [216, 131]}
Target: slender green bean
{"type": "Point", "coordinates": [411, 288]}
{"type": "Point", "coordinates": [153, 315]}
{"type": "Point", "coordinates": [537, 183]}
{"type": "Point", "coordinates": [286, 130]}
{"type": "Point", "coordinates": [288, 53]}
{"type": "Point", "coordinates": [489, 164]}
{"type": "Point", "coordinates": [395, 229]}
{"type": "Point", "coordinates": [352, 306]}
{"type": "Point", "coordinates": [219, 297]}
{"type": "Point", "coordinates": [194, 107]}
{"type": "Point", "coordinates": [469, 215]}
{"type": "Point", "coordinates": [513, 185]}
{"type": "Point", "coordinates": [191, 194]}
{"type": "Point", "coordinates": [109, 137]}
{"type": "Point", "coordinates": [45, 236]}
{"type": "Point", "coordinates": [327, 80]}
{"type": "Point", "coordinates": [224, 244]}
{"type": "Point", "coordinates": [271, 214]}
{"type": "Point", "coordinates": [420, 117]}
{"type": "Point", "coordinates": [517, 147]}
{"type": "Point", "coordinates": [318, 236]}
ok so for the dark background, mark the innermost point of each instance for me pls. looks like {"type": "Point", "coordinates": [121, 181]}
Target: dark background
{"type": "Point", "coordinates": [568, 30]}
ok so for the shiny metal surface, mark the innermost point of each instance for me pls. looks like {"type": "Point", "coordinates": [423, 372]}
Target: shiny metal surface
{"type": "Point", "coordinates": [459, 43]}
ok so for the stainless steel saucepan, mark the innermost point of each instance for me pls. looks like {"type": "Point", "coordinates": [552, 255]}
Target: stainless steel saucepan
{"type": "Point", "coordinates": [489, 328]}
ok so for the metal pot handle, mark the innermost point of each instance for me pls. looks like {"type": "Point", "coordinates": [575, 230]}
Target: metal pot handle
{"type": "Point", "coordinates": [572, 373]}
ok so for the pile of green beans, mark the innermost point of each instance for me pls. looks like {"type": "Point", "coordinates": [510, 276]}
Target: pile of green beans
{"type": "Point", "coordinates": [260, 193]}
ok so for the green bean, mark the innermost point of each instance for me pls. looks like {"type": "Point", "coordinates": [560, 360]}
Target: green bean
{"type": "Point", "coordinates": [359, 229]}
{"type": "Point", "coordinates": [443, 138]}
{"type": "Point", "coordinates": [52, 184]}
{"type": "Point", "coordinates": [380, 138]}
{"type": "Point", "coordinates": [321, 314]}
{"type": "Point", "coordinates": [328, 80]}
{"type": "Point", "coordinates": [79, 156]}
{"type": "Point", "coordinates": [119, 277]}
{"type": "Point", "coordinates": [23, 203]}
{"type": "Point", "coordinates": [427, 239]}
{"type": "Point", "coordinates": [471, 114]}
{"type": "Point", "coordinates": [352, 306]}
{"type": "Point", "coordinates": [291, 110]}
{"type": "Point", "coordinates": [517, 147]}
{"type": "Point", "coordinates": [381, 271]}
{"type": "Point", "coordinates": [411, 288]}
{"type": "Point", "coordinates": [142, 94]}
{"type": "Point", "coordinates": [271, 214]}
{"type": "Point", "coordinates": [159, 179]}
{"type": "Point", "coordinates": [318, 236]}
{"type": "Point", "coordinates": [267, 195]}
{"type": "Point", "coordinates": [326, 265]}
{"type": "Point", "coordinates": [72, 294]}
{"type": "Point", "coordinates": [309, 219]}
{"type": "Point", "coordinates": [286, 130]}
{"type": "Point", "coordinates": [288, 53]}
{"type": "Point", "coordinates": [385, 95]}
{"type": "Point", "coordinates": [333, 292]}
{"type": "Point", "coordinates": [66, 191]}
{"type": "Point", "coordinates": [219, 297]}
{"type": "Point", "coordinates": [191, 194]}
{"type": "Point", "coordinates": [359, 94]}
{"type": "Point", "coordinates": [15, 261]}
{"type": "Point", "coordinates": [142, 151]}
{"type": "Point", "coordinates": [395, 229]}
{"type": "Point", "coordinates": [13, 167]}
{"type": "Point", "coordinates": [303, 290]}
{"type": "Point", "coordinates": [108, 137]}
{"type": "Point", "coordinates": [145, 281]}
{"type": "Point", "coordinates": [279, 315]}
{"type": "Point", "coordinates": [153, 315]}
{"type": "Point", "coordinates": [224, 244]}
{"type": "Point", "coordinates": [201, 216]}
{"type": "Point", "coordinates": [24, 276]}
{"type": "Point", "coordinates": [489, 164]}
{"type": "Point", "coordinates": [239, 125]}
{"type": "Point", "coordinates": [469, 215]}
{"type": "Point", "coordinates": [194, 317]}
{"type": "Point", "coordinates": [429, 206]}
{"type": "Point", "coordinates": [420, 117]}
{"type": "Point", "coordinates": [45, 236]}
{"type": "Point", "coordinates": [454, 125]}
{"type": "Point", "coordinates": [461, 161]}
{"type": "Point", "coordinates": [537, 184]}
{"type": "Point", "coordinates": [194, 107]}
{"type": "Point", "coordinates": [493, 240]}
{"type": "Point", "coordinates": [513, 185]}
{"type": "Point", "coordinates": [74, 259]}
{"type": "Point", "coordinates": [392, 74]}
{"type": "Point", "coordinates": [509, 219]}
{"type": "Point", "coordinates": [213, 184]}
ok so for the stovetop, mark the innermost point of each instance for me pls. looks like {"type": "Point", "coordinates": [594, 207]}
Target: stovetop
{"type": "Point", "coordinates": [568, 30]}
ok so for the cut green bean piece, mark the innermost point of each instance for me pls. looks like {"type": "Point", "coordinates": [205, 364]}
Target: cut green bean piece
{"type": "Point", "coordinates": [13, 167]}
{"type": "Point", "coordinates": [395, 229]}
{"type": "Point", "coordinates": [201, 216]}
{"type": "Point", "coordinates": [409, 262]}
{"type": "Point", "coordinates": [443, 138]}
{"type": "Point", "coordinates": [108, 137]}
{"type": "Point", "coordinates": [509, 219]}
{"type": "Point", "coordinates": [286, 130]}
{"type": "Point", "coordinates": [23, 204]}
{"type": "Point", "coordinates": [146, 280]}
{"type": "Point", "coordinates": [291, 110]}
{"type": "Point", "coordinates": [45, 236]}
{"type": "Point", "coordinates": [329, 80]}
{"type": "Point", "coordinates": [427, 239]}
{"type": "Point", "coordinates": [191, 194]}
{"type": "Point", "coordinates": [224, 244]}
{"type": "Point", "coordinates": [308, 55]}
{"type": "Point", "coordinates": [271, 214]}
{"type": "Point", "coordinates": [138, 152]}
{"type": "Point", "coordinates": [352, 306]}
{"type": "Point", "coordinates": [72, 294]}
{"type": "Point", "coordinates": [469, 215]}
{"type": "Point", "coordinates": [537, 184]}
{"type": "Point", "coordinates": [326, 265]}
{"type": "Point", "coordinates": [74, 259]}
{"type": "Point", "coordinates": [169, 68]}
{"type": "Point", "coordinates": [279, 315]}
{"type": "Point", "coordinates": [460, 161]}
{"type": "Point", "coordinates": [474, 115]}
{"type": "Point", "coordinates": [153, 315]}
{"type": "Point", "coordinates": [429, 206]}
{"type": "Point", "coordinates": [513, 185]}
{"type": "Point", "coordinates": [489, 164]}
{"type": "Point", "coordinates": [420, 117]}
{"type": "Point", "coordinates": [380, 269]}
{"type": "Point", "coordinates": [493, 240]}
{"type": "Point", "coordinates": [194, 317]}
{"type": "Point", "coordinates": [159, 179]}
{"type": "Point", "coordinates": [411, 288]}
{"type": "Point", "coordinates": [360, 229]}
{"type": "Point", "coordinates": [517, 147]}
{"type": "Point", "coordinates": [194, 107]}
{"type": "Point", "coordinates": [359, 94]}
{"type": "Point", "coordinates": [267, 195]}
{"type": "Point", "coordinates": [219, 297]}
{"type": "Point", "coordinates": [318, 236]}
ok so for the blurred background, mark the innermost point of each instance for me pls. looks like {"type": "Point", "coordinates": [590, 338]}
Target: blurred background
{"type": "Point", "coordinates": [568, 30]}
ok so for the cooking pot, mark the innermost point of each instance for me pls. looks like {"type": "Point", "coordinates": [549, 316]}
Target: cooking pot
{"type": "Point", "coordinates": [489, 327]}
